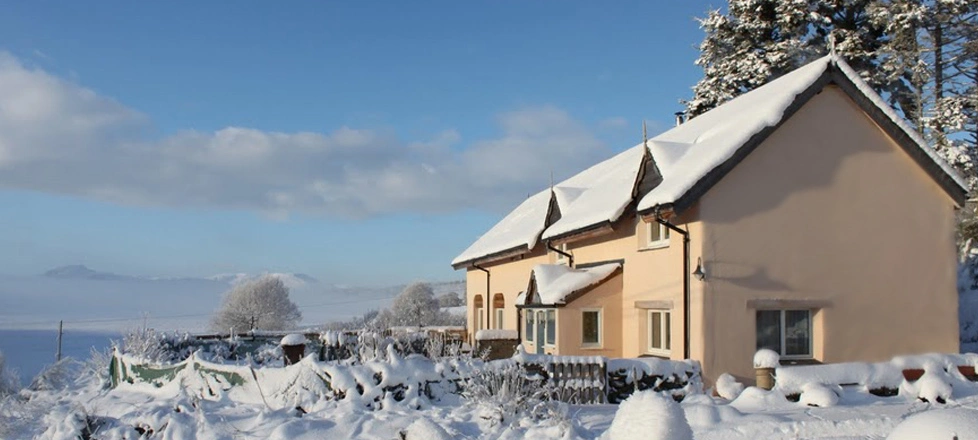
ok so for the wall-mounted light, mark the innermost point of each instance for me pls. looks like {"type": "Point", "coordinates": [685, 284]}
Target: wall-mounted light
{"type": "Point", "coordinates": [698, 273]}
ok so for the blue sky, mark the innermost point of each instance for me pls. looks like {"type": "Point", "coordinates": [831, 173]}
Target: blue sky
{"type": "Point", "coordinates": [359, 142]}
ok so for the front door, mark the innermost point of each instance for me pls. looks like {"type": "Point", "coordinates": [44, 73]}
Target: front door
{"type": "Point", "coordinates": [541, 331]}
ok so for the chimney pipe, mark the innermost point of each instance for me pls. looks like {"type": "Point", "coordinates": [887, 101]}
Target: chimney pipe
{"type": "Point", "coordinates": [680, 118]}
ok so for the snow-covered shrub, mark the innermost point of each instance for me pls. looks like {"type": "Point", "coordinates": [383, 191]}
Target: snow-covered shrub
{"type": "Point", "coordinates": [675, 378]}
{"type": "Point", "coordinates": [58, 376]}
{"type": "Point", "coordinates": [145, 343]}
{"type": "Point", "coordinates": [728, 387]}
{"type": "Point", "coordinates": [70, 423]}
{"type": "Point", "coordinates": [425, 429]}
{"type": "Point", "coordinates": [956, 423]}
{"type": "Point", "coordinates": [822, 396]}
{"type": "Point", "coordinates": [8, 379]}
{"type": "Point", "coordinates": [96, 367]}
{"type": "Point", "coordinates": [646, 415]}
{"type": "Point", "coordinates": [504, 391]}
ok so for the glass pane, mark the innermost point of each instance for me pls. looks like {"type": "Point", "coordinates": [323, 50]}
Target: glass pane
{"type": "Point", "coordinates": [668, 330]}
{"type": "Point", "coordinates": [656, 323]}
{"type": "Point", "coordinates": [797, 333]}
{"type": "Point", "coordinates": [528, 328]}
{"type": "Point", "coordinates": [590, 327]}
{"type": "Point", "coordinates": [551, 327]}
{"type": "Point", "coordinates": [499, 318]}
{"type": "Point", "coordinates": [665, 232]}
{"type": "Point", "coordinates": [769, 329]}
{"type": "Point", "coordinates": [654, 232]}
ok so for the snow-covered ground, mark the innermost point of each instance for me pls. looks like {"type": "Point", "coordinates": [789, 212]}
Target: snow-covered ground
{"type": "Point", "coordinates": [175, 412]}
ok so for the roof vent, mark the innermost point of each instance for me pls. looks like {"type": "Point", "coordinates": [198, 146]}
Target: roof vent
{"type": "Point", "coordinates": [680, 118]}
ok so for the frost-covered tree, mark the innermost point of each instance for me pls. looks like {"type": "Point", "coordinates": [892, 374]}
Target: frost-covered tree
{"type": "Point", "coordinates": [450, 299]}
{"type": "Point", "coordinates": [260, 304]}
{"type": "Point", "coordinates": [416, 306]}
{"type": "Point", "coordinates": [8, 380]}
{"type": "Point", "coordinates": [756, 41]}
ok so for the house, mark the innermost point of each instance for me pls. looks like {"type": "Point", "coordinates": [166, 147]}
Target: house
{"type": "Point", "coordinates": [804, 216]}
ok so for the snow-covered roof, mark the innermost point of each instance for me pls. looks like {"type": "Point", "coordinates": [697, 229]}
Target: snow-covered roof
{"type": "Point", "coordinates": [598, 194]}
{"type": "Point", "coordinates": [556, 282]}
{"type": "Point", "coordinates": [687, 153]}
{"type": "Point", "coordinates": [519, 230]}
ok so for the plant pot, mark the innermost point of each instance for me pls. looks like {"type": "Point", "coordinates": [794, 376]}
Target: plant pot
{"type": "Point", "coordinates": [912, 374]}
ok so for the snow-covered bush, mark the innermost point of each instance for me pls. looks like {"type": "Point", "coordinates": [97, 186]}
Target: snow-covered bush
{"type": "Point", "coordinates": [957, 423]}
{"type": "Point", "coordinates": [260, 304]}
{"type": "Point", "coordinates": [822, 396]}
{"type": "Point", "coordinates": [8, 380]}
{"type": "Point", "coordinates": [146, 343]}
{"type": "Point", "coordinates": [728, 387]}
{"type": "Point", "coordinates": [504, 391]}
{"type": "Point", "coordinates": [96, 367]}
{"type": "Point", "coordinates": [934, 386]}
{"type": "Point", "coordinates": [646, 415]}
{"type": "Point", "coordinates": [58, 376]}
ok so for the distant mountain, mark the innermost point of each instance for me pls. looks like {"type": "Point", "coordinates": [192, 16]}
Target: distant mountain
{"type": "Point", "coordinates": [80, 272]}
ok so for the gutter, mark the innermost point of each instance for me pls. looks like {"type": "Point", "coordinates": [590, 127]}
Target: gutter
{"type": "Point", "coordinates": [486, 303]}
{"type": "Point", "coordinates": [570, 258]}
{"type": "Point", "coordinates": [686, 290]}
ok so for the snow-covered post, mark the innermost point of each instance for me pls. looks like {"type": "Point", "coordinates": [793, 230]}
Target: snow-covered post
{"type": "Point", "coordinates": [765, 361]}
{"type": "Point", "coordinates": [293, 348]}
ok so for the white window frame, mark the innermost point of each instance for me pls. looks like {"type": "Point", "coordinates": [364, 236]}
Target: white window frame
{"type": "Point", "coordinates": [664, 231]}
{"type": "Point", "coordinates": [784, 333]}
{"type": "Point", "coordinates": [600, 342]}
{"type": "Point", "coordinates": [550, 313]}
{"type": "Point", "coordinates": [561, 258]}
{"type": "Point", "coordinates": [664, 330]}
{"type": "Point", "coordinates": [499, 317]}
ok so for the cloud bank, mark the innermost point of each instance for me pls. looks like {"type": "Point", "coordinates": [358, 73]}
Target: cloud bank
{"type": "Point", "coordinates": [59, 137]}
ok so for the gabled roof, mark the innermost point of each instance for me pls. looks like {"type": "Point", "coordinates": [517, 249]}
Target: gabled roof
{"type": "Point", "coordinates": [517, 232]}
{"type": "Point", "coordinates": [695, 155]}
{"type": "Point", "coordinates": [690, 159]}
{"type": "Point", "coordinates": [598, 194]}
{"type": "Point", "coordinates": [557, 284]}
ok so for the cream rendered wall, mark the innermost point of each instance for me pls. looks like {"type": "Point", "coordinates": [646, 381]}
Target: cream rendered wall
{"type": "Point", "coordinates": [829, 208]}
{"type": "Point", "coordinates": [649, 275]}
{"type": "Point", "coordinates": [509, 277]}
{"type": "Point", "coordinates": [605, 297]}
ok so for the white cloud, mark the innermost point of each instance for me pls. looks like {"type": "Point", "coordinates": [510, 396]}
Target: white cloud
{"type": "Point", "coordinates": [59, 137]}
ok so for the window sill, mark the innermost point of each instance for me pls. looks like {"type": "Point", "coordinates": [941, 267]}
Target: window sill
{"type": "Point", "coordinates": [667, 354]}
{"type": "Point", "coordinates": [655, 245]}
{"type": "Point", "coordinates": [592, 347]}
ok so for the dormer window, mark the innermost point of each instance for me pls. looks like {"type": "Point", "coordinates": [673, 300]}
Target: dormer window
{"type": "Point", "coordinates": [561, 256]}
{"type": "Point", "coordinates": [657, 235]}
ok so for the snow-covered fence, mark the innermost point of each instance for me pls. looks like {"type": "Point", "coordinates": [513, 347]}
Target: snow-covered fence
{"type": "Point", "coordinates": [496, 343]}
{"type": "Point", "coordinates": [596, 379]}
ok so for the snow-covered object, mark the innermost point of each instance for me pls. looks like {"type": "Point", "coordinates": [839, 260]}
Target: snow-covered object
{"type": "Point", "coordinates": [425, 429]}
{"type": "Point", "coordinates": [934, 386]}
{"type": "Point", "coordinates": [687, 153]}
{"type": "Point", "coordinates": [959, 423]}
{"type": "Point", "coordinates": [293, 339]}
{"type": "Point", "coordinates": [597, 194]}
{"type": "Point", "coordinates": [728, 387]}
{"type": "Point", "coordinates": [816, 394]}
{"type": "Point", "coordinates": [521, 228]}
{"type": "Point", "coordinates": [555, 282]}
{"type": "Point", "coordinates": [495, 334]}
{"type": "Point", "coordinates": [755, 399]}
{"type": "Point", "coordinates": [765, 358]}
{"type": "Point", "coordinates": [648, 416]}
{"type": "Point", "coordinates": [791, 380]}
{"type": "Point", "coordinates": [651, 366]}
{"type": "Point", "coordinates": [702, 412]}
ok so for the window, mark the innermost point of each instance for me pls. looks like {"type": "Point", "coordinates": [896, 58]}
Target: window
{"type": "Point", "coordinates": [591, 328]}
{"type": "Point", "coordinates": [528, 328]}
{"type": "Point", "coordinates": [658, 234]}
{"type": "Point", "coordinates": [788, 332]}
{"type": "Point", "coordinates": [660, 332]}
{"type": "Point", "coordinates": [561, 258]}
{"type": "Point", "coordinates": [551, 327]}
{"type": "Point", "coordinates": [479, 312]}
{"type": "Point", "coordinates": [498, 305]}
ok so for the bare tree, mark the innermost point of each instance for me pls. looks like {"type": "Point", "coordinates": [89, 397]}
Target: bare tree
{"type": "Point", "coordinates": [260, 304]}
